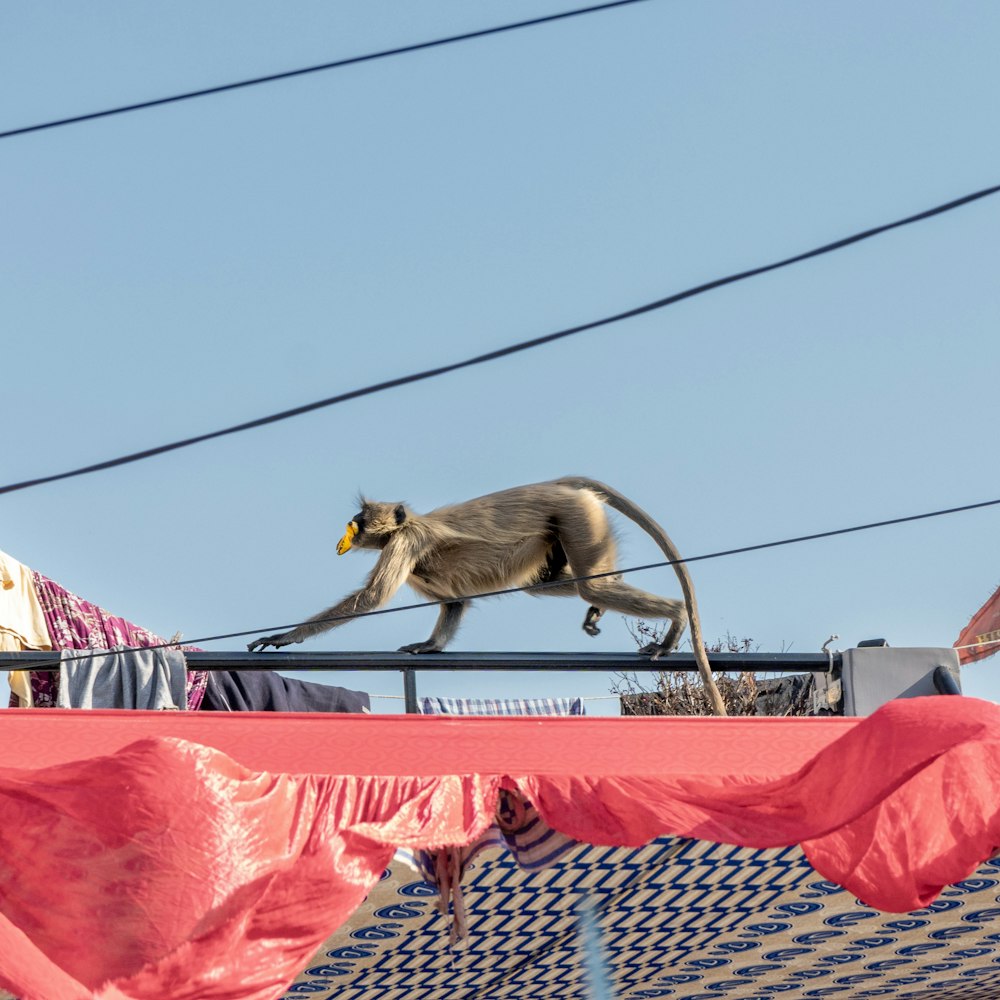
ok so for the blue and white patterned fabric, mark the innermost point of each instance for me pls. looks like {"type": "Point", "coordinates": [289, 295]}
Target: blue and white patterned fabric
{"type": "Point", "coordinates": [679, 919]}
{"type": "Point", "coordinates": [501, 706]}
{"type": "Point", "coordinates": [518, 828]}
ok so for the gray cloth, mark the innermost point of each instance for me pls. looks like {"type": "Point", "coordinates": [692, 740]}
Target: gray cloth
{"type": "Point", "coordinates": [120, 678]}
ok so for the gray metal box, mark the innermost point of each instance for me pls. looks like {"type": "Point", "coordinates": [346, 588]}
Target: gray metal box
{"type": "Point", "coordinates": [871, 676]}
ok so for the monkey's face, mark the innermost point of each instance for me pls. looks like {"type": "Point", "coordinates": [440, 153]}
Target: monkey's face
{"type": "Point", "coordinates": [372, 526]}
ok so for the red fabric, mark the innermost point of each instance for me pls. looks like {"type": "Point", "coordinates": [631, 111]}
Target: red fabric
{"type": "Point", "coordinates": [168, 870]}
{"type": "Point", "coordinates": [433, 745]}
{"type": "Point", "coordinates": [984, 627]}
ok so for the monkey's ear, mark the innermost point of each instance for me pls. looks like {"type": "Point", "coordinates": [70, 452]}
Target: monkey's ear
{"type": "Point", "coordinates": [400, 513]}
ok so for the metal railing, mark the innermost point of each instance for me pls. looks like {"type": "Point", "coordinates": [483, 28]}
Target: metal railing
{"type": "Point", "coordinates": [409, 665]}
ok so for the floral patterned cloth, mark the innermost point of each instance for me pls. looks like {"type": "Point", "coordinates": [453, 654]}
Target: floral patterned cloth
{"type": "Point", "coordinates": [74, 623]}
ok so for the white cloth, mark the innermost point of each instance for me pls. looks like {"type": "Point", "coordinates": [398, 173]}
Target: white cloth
{"type": "Point", "coordinates": [22, 623]}
{"type": "Point", "coordinates": [20, 612]}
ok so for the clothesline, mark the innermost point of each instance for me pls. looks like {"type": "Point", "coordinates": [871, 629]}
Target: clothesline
{"type": "Point", "coordinates": [106, 661]}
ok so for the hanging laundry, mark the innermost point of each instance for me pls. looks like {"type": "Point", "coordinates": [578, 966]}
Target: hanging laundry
{"type": "Point", "coordinates": [22, 624]}
{"type": "Point", "coordinates": [74, 623]}
{"type": "Point", "coordinates": [266, 691]}
{"type": "Point", "coordinates": [123, 678]}
{"type": "Point", "coordinates": [501, 706]}
{"type": "Point", "coordinates": [517, 826]}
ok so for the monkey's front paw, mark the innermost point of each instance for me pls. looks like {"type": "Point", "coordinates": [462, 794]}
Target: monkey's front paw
{"type": "Point", "coordinates": [420, 647]}
{"type": "Point", "coordinates": [269, 640]}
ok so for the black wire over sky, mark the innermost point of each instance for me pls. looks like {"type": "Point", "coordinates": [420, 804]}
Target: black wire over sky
{"type": "Point", "coordinates": [503, 351]}
{"type": "Point", "coordinates": [321, 67]}
{"type": "Point", "coordinates": [541, 587]}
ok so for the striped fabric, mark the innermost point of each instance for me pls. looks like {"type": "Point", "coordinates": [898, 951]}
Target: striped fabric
{"type": "Point", "coordinates": [501, 706]}
{"type": "Point", "coordinates": [533, 844]}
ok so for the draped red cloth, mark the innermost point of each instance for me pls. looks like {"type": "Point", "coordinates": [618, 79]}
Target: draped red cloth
{"type": "Point", "coordinates": [168, 869]}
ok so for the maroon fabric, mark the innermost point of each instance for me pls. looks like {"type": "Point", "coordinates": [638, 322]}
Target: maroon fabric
{"type": "Point", "coordinates": [983, 628]}
{"type": "Point", "coordinates": [74, 623]}
{"type": "Point", "coordinates": [200, 879]}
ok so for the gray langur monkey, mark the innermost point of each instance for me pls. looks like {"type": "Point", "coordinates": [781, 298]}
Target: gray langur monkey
{"type": "Point", "coordinates": [539, 537]}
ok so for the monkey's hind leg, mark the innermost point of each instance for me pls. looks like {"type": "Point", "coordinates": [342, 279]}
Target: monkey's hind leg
{"type": "Point", "coordinates": [447, 624]}
{"type": "Point", "coordinates": [613, 594]}
{"type": "Point", "coordinates": [592, 618]}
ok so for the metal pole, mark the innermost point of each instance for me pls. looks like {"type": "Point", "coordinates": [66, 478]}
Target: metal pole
{"type": "Point", "coordinates": [410, 690]}
{"type": "Point", "coordinates": [470, 662]}
{"type": "Point", "coordinates": [594, 959]}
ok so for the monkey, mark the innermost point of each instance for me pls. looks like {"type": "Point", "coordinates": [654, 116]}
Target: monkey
{"type": "Point", "coordinates": [541, 537]}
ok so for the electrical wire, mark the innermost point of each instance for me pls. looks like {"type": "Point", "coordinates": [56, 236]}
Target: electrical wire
{"type": "Point", "coordinates": [540, 588]}
{"type": "Point", "coordinates": [321, 67]}
{"type": "Point", "coordinates": [503, 351]}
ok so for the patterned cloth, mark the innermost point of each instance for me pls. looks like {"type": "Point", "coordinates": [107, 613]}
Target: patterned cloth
{"type": "Point", "coordinates": [501, 706]}
{"type": "Point", "coordinates": [74, 623]}
{"type": "Point", "coordinates": [678, 918]}
{"type": "Point", "coordinates": [517, 826]}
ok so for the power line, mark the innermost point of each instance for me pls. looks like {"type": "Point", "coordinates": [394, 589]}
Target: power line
{"type": "Point", "coordinates": [722, 553]}
{"type": "Point", "coordinates": [321, 67]}
{"type": "Point", "coordinates": [503, 351]}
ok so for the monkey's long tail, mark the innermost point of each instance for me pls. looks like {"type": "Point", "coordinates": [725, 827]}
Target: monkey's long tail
{"type": "Point", "coordinates": [636, 514]}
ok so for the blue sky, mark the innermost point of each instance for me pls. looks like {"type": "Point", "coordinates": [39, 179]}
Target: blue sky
{"type": "Point", "coordinates": [177, 270]}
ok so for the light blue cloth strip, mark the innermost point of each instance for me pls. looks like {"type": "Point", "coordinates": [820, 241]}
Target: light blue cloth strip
{"type": "Point", "coordinates": [116, 678]}
{"type": "Point", "coordinates": [501, 706]}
